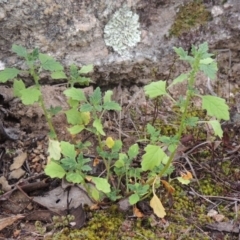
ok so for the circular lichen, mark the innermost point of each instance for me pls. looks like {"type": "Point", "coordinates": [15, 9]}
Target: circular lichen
{"type": "Point", "coordinates": [189, 15]}
{"type": "Point", "coordinates": [122, 31]}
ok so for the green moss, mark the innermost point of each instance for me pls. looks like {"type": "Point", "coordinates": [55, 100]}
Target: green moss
{"type": "Point", "coordinates": [189, 16]}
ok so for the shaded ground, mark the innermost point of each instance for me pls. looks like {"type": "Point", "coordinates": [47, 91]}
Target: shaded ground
{"type": "Point", "coordinates": [206, 209]}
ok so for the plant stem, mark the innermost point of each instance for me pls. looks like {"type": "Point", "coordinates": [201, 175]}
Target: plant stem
{"type": "Point", "coordinates": [191, 83]}
{"type": "Point", "coordinates": [42, 104]}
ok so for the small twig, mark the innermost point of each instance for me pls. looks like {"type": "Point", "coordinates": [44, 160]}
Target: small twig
{"type": "Point", "coordinates": [217, 197]}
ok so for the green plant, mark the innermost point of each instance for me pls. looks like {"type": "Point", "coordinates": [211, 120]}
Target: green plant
{"type": "Point", "coordinates": [199, 60]}
{"type": "Point", "coordinates": [86, 113]}
{"type": "Point", "coordinates": [36, 63]}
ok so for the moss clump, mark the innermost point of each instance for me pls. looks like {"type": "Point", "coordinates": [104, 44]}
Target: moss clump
{"type": "Point", "coordinates": [189, 15]}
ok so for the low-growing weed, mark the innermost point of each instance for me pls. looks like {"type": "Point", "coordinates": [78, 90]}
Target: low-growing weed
{"type": "Point", "coordinates": [85, 113]}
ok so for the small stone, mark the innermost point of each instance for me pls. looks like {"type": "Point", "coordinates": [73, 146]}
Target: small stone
{"type": "Point", "coordinates": [216, 11]}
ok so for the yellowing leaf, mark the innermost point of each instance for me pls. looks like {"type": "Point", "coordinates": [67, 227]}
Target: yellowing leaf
{"type": "Point", "coordinates": [157, 206]}
{"type": "Point", "coordinates": [168, 186]}
{"type": "Point", "coordinates": [85, 117]}
{"type": "Point", "coordinates": [88, 178]}
{"type": "Point", "coordinates": [109, 142]}
{"type": "Point", "coordinates": [54, 149]}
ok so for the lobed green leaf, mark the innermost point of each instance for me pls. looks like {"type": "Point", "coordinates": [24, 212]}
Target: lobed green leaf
{"type": "Point", "coordinates": [101, 184]}
{"type": "Point", "coordinates": [216, 128]}
{"type": "Point", "coordinates": [215, 107]}
{"type": "Point", "coordinates": [54, 170]}
{"type": "Point", "coordinates": [86, 69]}
{"type": "Point", "coordinates": [155, 89]}
{"type": "Point", "coordinates": [18, 86]}
{"type": "Point", "coordinates": [58, 75]}
{"type": "Point", "coordinates": [20, 50]}
{"type": "Point", "coordinates": [30, 95]}
{"type": "Point", "coordinates": [49, 63]}
{"type": "Point", "coordinates": [153, 157]}
{"type": "Point", "coordinates": [75, 94]}
{"type": "Point", "coordinates": [68, 149]}
{"type": "Point", "coordinates": [8, 74]}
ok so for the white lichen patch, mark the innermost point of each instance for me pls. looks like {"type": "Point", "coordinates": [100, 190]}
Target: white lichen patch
{"type": "Point", "coordinates": [122, 31]}
{"type": "Point", "coordinates": [2, 65]}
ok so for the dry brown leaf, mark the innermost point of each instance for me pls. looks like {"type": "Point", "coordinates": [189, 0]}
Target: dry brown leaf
{"type": "Point", "coordinates": [219, 217]}
{"type": "Point", "coordinates": [168, 186]}
{"type": "Point", "coordinates": [16, 174]}
{"type": "Point", "coordinates": [4, 183]}
{"type": "Point", "coordinates": [96, 161]}
{"type": "Point", "coordinates": [5, 222]}
{"type": "Point", "coordinates": [157, 206]}
{"type": "Point", "coordinates": [18, 161]}
{"type": "Point", "coordinates": [137, 212]}
{"type": "Point", "coordinates": [186, 175]}
{"type": "Point", "coordinates": [94, 207]}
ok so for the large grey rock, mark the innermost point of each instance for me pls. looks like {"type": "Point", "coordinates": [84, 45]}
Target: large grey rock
{"type": "Point", "coordinates": [78, 32]}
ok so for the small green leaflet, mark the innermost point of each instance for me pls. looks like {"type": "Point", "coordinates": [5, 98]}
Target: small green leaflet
{"type": "Point", "coordinates": [49, 63]}
{"type": "Point", "coordinates": [19, 50]}
{"type": "Point", "coordinates": [18, 86]}
{"type": "Point", "coordinates": [215, 107]}
{"type": "Point", "coordinates": [155, 89]}
{"type": "Point", "coordinates": [153, 157]}
{"type": "Point", "coordinates": [206, 61]}
{"type": "Point", "coordinates": [75, 94]}
{"type": "Point", "coordinates": [76, 129]}
{"type": "Point", "coordinates": [117, 146]}
{"type": "Point", "coordinates": [120, 162]}
{"type": "Point", "coordinates": [203, 48]}
{"type": "Point", "coordinates": [96, 97]}
{"type": "Point", "coordinates": [54, 170]}
{"type": "Point", "coordinates": [209, 70]}
{"type": "Point", "coordinates": [58, 75]}
{"type": "Point", "coordinates": [30, 95]}
{"type": "Point", "coordinates": [68, 149]}
{"type": "Point", "coordinates": [179, 79]}
{"type": "Point", "coordinates": [87, 107]}
{"type": "Point", "coordinates": [183, 181]}
{"type": "Point", "coordinates": [154, 133]}
{"type": "Point", "coordinates": [107, 96]}
{"type": "Point", "coordinates": [8, 74]}
{"type": "Point", "coordinates": [54, 110]}
{"type": "Point", "coordinates": [191, 121]}
{"type": "Point", "coordinates": [180, 52]}
{"type": "Point", "coordinates": [73, 116]}
{"type": "Point", "coordinates": [95, 194]}
{"type": "Point", "coordinates": [134, 198]}
{"type": "Point", "coordinates": [101, 184]}
{"type": "Point", "coordinates": [216, 128]}
{"type": "Point", "coordinates": [68, 164]}
{"type": "Point", "coordinates": [112, 106]}
{"type": "Point", "coordinates": [74, 72]}
{"type": "Point", "coordinates": [54, 149]}
{"type": "Point", "coordinates": [74, 177]}
{"type": "Point", "coordinates": [86, 69]}
{"type": "Point", "coordinates": [133, 151]}
{"type": "Point", "coordinates": [98, 125]}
